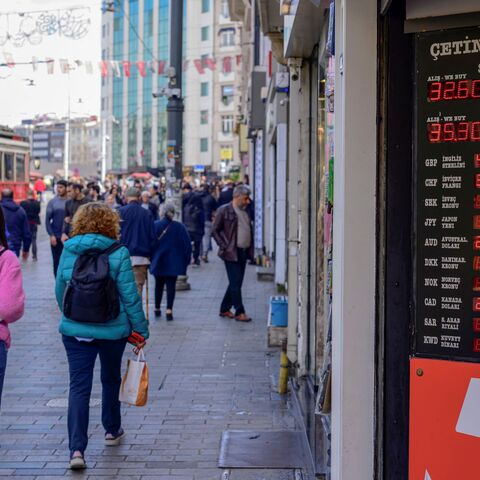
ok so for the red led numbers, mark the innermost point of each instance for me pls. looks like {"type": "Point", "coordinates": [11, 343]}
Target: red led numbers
{"type": "Point", "coordinates": [476, 304]}
{"type": "Point", "coordinates": [476, 345]}
{"type": "Point", "coordinates": [477, 180]}
{"type": "Point", "coordinates": [476, 324]}
{"type": "Point", "coordinates": [476, 284]}
{"type": "Point", "coordinates": [476, 242]}
{"type": "Point", "coordinates": [476, 160]}
{"type": "Point", "coordinates": [453, 132]}
{"type": "Point", "coordinates": [453, 90]}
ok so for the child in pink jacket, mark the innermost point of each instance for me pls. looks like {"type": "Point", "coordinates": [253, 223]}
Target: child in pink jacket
{"type": "Point", "coordinates": [12, 297]}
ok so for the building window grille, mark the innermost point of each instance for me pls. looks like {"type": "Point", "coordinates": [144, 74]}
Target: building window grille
{"type": "Point", "coordinates": [227, 38]}
{"type": "Point", "coordinates": [227, 124]}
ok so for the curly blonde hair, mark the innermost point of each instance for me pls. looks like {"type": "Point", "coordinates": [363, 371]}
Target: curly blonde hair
{"type": "Point", "coordinates": [96, 218]}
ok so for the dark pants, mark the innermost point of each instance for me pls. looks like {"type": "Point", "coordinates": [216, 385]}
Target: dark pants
{"type": "Point", "coordinates": [3, 365]}
{"type": "Point", "coordinates": [81, 361]}
{"type": "Point", "coordinates": [33, 231]}
{"type": "Point", "coordinates": [235, 273]}
{"type": "Point", "coordinates": [56, 254]}
{"type": "Point", "coordinates": [196, 250]}
{"type": "Point", "coordinates": [160, 282]}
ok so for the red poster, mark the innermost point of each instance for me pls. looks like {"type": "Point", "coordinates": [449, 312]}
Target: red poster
{"type": "Point", "coordinates": [444, 420]}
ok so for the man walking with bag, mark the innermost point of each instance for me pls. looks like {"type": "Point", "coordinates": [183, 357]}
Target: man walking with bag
{"type": "Point", "coordinates": [138, 235]}
{"type": "Point", "coordinates": [233, 232]}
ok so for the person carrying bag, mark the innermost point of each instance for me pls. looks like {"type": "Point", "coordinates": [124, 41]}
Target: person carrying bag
{"type": "Point", "coordinates": [134, 388]}
{"type": "Point", "coordinates": [101, 311]}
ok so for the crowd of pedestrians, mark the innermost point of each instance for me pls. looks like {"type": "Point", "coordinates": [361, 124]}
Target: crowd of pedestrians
{"type": "Point", "coordinates": [103, 246]}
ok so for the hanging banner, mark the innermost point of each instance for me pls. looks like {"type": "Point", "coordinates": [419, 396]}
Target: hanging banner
{"type": "Point", "coordinates": [227, 64]}
{"type": "Point", "coordinates": [141, 68]}
{"type": "Point", "coordinates": [126, 67]}
{"type": "Point", "coordinates": [115, 67]}
{"type": "Point", "coordinates": [210, 63]}
{"type": "Point", "coordinates": [50, 66]}
{"type": "Point", "coordinates": [199, 66]}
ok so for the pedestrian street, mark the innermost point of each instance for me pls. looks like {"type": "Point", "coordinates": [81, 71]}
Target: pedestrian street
{"type": "Point", "coordinates": [207, 375]}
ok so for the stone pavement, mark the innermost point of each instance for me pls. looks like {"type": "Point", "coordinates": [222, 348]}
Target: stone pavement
{"type": "Point", "coordinates": [206, 375]}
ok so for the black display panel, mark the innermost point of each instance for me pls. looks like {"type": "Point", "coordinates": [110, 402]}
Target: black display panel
{"type": "Point", "coordinates": [447, 199]}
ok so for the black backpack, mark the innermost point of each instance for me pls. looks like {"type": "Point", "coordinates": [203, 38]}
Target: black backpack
{"type": "Point", "coordinates": [91, 295]}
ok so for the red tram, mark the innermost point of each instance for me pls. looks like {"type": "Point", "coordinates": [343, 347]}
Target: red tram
{"type": "Point", "coordinates": [14, 163]}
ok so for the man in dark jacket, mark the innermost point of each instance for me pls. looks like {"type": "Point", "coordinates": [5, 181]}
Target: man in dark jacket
{"type": "Point", "coordinates": [209, 207]}
{"type": "Point", "coordinates": [77, 199]}
{"type": "Point", "coordinates": [226, 195]}
{"type": "Point", "coordinates": [17, 224]}
{"type": "Point", "coordinates": [32, 209]}
{"type": "Point", "coordinates": [193, 217]}
{"type": "Point", "coordinates": [54, 218]}
{"type": "Point", "coordinates": [138, 235]}
{"type": "Point", "coordinates": [233, 232]}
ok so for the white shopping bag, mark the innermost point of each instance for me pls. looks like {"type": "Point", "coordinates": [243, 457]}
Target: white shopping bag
{"type": "Point", "coordinates": [134, 388]}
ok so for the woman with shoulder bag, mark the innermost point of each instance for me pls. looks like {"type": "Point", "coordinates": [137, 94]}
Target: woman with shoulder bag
{"type": "Point", "coordinates": [171, 256]}
{"type": "Point", "coordinates": [12, 297]}
{"type": "Point", "coordinates": [95, 231]}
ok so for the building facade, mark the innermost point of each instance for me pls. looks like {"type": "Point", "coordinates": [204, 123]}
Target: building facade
{"type": "Point", "coordinates": [135, 124]}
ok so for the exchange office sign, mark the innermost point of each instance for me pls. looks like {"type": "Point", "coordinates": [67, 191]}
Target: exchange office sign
{"type": "Point", "coordinates": [447, 150]}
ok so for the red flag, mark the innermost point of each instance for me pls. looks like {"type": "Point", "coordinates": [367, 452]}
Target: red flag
{"type": "Point", "coordinates": [161, 67]}
{"type": "Point", "coordinates": [227, 64]}
{"type": "Point", "coordinates": [103, 64]}
{"type": "Point", "coordinates": [239, 59]}
{"type": "Point", "coordinates": [126, 67]}
{"type": "Point", "coordinates": [141, 68]}
{"type": "Point", "coordinates": [210, 63]}
{"type": "Point", "coordinates": [199, 67]}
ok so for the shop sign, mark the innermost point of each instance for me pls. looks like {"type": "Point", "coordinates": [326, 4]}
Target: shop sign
{"type": "Point", "coordinates": [447, 151]}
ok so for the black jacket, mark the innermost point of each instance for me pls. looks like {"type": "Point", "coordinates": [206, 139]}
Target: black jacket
{"type": "Point", "coordinates": [71, 207]}
{"type": "Point", "coordinates": [226, 196]}
{"type": "Point", "coordinates": [209, 205]}
{"type": "Point", "coordinates": [193, 215]}
{"type": "Point", "coordinates": [32, 209]}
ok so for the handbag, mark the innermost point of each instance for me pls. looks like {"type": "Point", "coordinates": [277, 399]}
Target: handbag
{"type": "Point", "coordinates": [134, 387]}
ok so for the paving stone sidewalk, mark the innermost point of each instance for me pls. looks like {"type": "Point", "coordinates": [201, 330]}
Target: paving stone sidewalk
{"type": "Point", "coordinates": [206, 375]}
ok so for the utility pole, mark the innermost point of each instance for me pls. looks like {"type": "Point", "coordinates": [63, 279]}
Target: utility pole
{"type": "Point", "coordinates": [175, 100]}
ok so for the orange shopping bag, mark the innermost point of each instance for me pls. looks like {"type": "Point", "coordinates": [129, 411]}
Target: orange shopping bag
{"type": "Point", "coordinates": [134, 388]}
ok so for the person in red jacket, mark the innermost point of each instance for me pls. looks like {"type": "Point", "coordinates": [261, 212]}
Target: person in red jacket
{"type": "Point", "coordinates": [39, 187]}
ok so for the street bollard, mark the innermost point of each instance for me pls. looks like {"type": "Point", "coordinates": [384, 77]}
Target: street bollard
{"type": "Point", "coordinates": [283, 377]}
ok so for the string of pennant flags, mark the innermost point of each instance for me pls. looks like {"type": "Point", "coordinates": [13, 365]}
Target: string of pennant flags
{"type": "Point", "coordinates": [123, 68]}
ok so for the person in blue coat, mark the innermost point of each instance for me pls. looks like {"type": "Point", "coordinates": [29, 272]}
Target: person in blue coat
{"type": "Point", "coordinates": [170, 258]}
{"type": "Point", "coordinates": [96, 227]}
{"type": "Point", "coordinates": [17, 225]}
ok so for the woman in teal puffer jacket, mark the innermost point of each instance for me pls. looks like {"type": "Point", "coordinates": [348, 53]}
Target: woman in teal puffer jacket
{"type": "Point", "coordinates": [96, 226]}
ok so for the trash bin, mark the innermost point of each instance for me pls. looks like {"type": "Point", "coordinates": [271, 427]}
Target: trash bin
{"type": "Point", "coordinates": [279, 309]}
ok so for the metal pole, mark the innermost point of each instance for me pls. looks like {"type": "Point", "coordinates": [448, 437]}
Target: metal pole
{"type": "Point", "coordinates": [66, 153]}
{"type": "Point", "coordinates": [175, 102]}
{"type": "Point", "coordinates": [104, 150]}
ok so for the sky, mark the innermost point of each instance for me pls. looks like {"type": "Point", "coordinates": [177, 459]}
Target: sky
{"type": "Point", "coordinates": [50, 93]}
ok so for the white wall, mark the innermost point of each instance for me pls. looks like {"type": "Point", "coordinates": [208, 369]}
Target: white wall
{"type": "Point", "coordinates": [353, 360]}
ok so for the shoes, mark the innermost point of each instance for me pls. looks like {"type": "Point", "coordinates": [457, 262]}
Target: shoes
{"type": "Point", "coordinates": [169, 316]}
{"type": "Point", "coordinates": [205, 258]}
{"type": "Point", "coordinates": [158, 312]}
{"type": "Point", "coordinates": [227, 314]}
{"type": "Point", "coordinates": [34, 259]}
{"type": "Point", "coordinates": [112, 440]}
{"type": "Point", "coordinates": [77, 462]}
{"type": "Point", "coordinates": [242, 318]}
{"type": "Point", "coordinates": [196, 264]}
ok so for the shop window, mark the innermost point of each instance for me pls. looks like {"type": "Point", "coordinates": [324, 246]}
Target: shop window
{"type": "Point", "coordinates": [227, 38]}
{"type": "Point", "coordinates": [227, 94]}
{"type": "Point", "coordinates": [227, 124]}
{"type": "Point", "coordinates": [205, 34]}
{"type": "Point", "coordinates": [205, 6]}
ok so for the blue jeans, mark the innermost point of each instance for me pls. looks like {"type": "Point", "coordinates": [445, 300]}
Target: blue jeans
{"type": "Point", "coordinates": [235, 273]}
{"type": "Point", "coordinates": [3, 365]}
{"type": "Point", "coordinates": [81, 361]}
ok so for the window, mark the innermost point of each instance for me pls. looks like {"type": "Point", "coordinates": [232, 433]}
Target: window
{"type": "Point", "coordinates": [20, 167]}
{"type": "Point", "coordinates": [204, 89]}
{"type": "Point", "coordinates": [205, 33]}
{"type": "Point", "coordinates": [224, 9]}
{"type": "Point", "coordinates": [227, 124]}
{"type": "Point", "coordinates": [205, 6]}
{"type": "Point", "coordinates": [204, 60]}
{"type": "Point", "coordinates": [227, 94]}
{"type": "Point", "coordinates": [227, 38]}
{"type": "Point", "coordinates": [8, 159]}
{"type": "Point", "coordinates": [203, 117]}
{"type": "Point", "coordinates": [204, 145]}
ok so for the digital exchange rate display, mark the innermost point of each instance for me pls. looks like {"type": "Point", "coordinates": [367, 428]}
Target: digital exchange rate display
{"type": "Point", "coordinates": [447, 151]}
